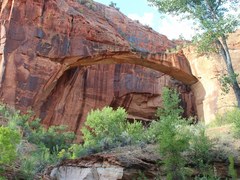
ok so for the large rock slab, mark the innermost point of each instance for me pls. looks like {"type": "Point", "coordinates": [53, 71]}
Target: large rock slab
{"type": "Point", "coordinates": [133, 162]}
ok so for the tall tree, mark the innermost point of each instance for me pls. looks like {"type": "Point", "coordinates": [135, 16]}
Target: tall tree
{"type": "Point", "coordinates": [215, 19]}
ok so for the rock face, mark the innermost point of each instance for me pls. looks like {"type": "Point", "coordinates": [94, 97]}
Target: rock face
{"type": "Point", "coordinates": [128, 163]}
{"type": "Point", "coordinates": [210, 99]}
{"type": "Point", "coordinates": [63, 58]}
{"type": "Point", "coordinates": [125, 164]}
{"type": "Point", "coordinates": [135, 88]}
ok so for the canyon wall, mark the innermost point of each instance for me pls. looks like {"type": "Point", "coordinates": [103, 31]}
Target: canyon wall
{"type": "Point", "coordinates": [63, 58]}
{"type": "Point", "coordinates": [210, 99]}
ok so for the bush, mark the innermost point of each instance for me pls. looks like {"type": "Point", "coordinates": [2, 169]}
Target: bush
{"type": "Point", "coordinates": [9, 139]}
{"type": "Point", "coordinates": [173, 141]}
{"type": "Point", "coordinates": [170, 101]}
{"type": "Point", "coordinates": [172, 136]}
{"type": "Point", "coordinates": [231, 171]}
{"type": "Point", "coordinates": [234, 116]}
{"type": "Point", "coordinates": [200, 146]}
{"type": "Point", "coordinates": [53, 138]}
{"type": "Point", "coordinates": [229, 117]}
{"type": "Point", "coordinates": [175, 136]}
{"type": "Point", "coordinates": [35, 162]}
{"type": "Point", "coordinates": [107, 128]}
{"type": "Point", "coordinates": [45, 143]}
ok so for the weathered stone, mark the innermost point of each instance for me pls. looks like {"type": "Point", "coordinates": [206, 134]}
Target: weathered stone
{"type": "Point", "coordinates": [133, 162]}
{"type": "Point", "coordinates": [63, 58]}
{"type": "Point", "coordinates": [210, 99]}
{"type": "Point", "coordinates": [109, 173]}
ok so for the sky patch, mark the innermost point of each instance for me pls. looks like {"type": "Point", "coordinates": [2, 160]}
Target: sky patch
{"type": "Point", "coordinates": [170, 26]}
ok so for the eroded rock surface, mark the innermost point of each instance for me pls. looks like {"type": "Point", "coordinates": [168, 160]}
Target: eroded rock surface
{"type": "Point", "coordinates": [133, 162]}
{"type": "Point", "coordinates": [63, 58]}
{"type": "Point", "coordinates": [133, 87]}
{"type": "Point", "coordinates": [210, 99]}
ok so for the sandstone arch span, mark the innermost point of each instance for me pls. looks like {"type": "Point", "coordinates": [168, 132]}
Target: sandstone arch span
{"type": "Point", "coordinates": [47, 45]}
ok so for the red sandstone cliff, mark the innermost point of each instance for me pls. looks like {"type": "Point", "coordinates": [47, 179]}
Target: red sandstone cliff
{"type": "Point", "coordinates": [210, 99]}
{"type": "Point", "coordinates": [62, 58]}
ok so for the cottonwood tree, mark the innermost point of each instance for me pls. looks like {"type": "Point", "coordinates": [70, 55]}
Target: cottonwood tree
{"type": "Point", "coordinates": [215, 19]}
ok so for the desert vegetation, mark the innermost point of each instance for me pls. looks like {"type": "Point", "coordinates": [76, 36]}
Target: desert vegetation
{"type": "Point", "coordinates": [181, 144]}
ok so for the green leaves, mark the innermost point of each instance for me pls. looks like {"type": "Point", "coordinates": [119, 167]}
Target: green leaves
{"type": "Point", "coordinates": [9, 139]}
{"type": "Point", "coordinates": [213, 17]}
{"type": "Point", "coordinates": [226, 82]}
{"type": "Point", "coordinates": [45, 143]}
{"type": "Point", "coordinates": [175, 136]}
{"type": "Point", "coordinates": [108, 128]}
{"type": "Point", "coordinates": [214, 20]}
{"type": "Point", "coordinates": [170, 104]}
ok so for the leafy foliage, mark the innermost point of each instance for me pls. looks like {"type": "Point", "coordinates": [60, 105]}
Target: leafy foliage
{"type": "Point", "coordinates": [199, 148]}
{"type": "Point", "coordinates": [52, 138]}
{"type": "Point", "coordinates": [173, 141]}
{"type": "Point", "coordinates": [212, 15]}
{"type": "Point", "coordinates": [214, 21]}
{"type": "Point", "coordinates": [9, 139]}
{"type": "Point", "coordinates": [114, 5]}
{"type": "Point", "coordinates": [170, 105]}
{"type": "Point", "coordinates": [35, 162]}
{"type": "Point", "coordinates": [234, 116]}
{"type": "Point", "coordinates": [176, 136]}
{"type": "Point", "coordinates": [171, 108]}
{"type": "Point", "coordinates": [172, 138]}
{"type": "Point", "coordinates": [45, 143]}
{"type": "Point", "coordinates": [229, 117]}
{"type": "Point", "coordinates": [231, 171]}
{"type": "Point", "coordinates": [226, 82]}
{"type": "Point", "coordinates": [107, 128]}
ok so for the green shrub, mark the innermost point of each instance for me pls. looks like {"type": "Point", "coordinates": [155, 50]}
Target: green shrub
{"type": "Point", "coordinates": [45, 143]}
{"type": "Point", "coordinates": [229, 117]}
{"type": "Point", "coordinates": [173, 141]}
{"type": "Point", "coordinates": [231, 171]}
{"type": "Point", "coordinates": [171, 107]}
{"type": "Point", "coordinates": [35, 162]}
{"type": "Point", "coordinates": [234, 116]}
{"type": "Point", "coordinates": [53, 138]}
{"type": "Point", "coordinates": [152, 132]}
{"type": "Point", "coordinates": [173, 136]}
{"type": "Point", "coordinates": [200, 146]}
{"type": "Point", "coordinates": [2, 178]}
{"type": "Point", "coordinates": [9, 139]}
{"type": "Point", "coordinates": [73, 152]}
{"type": "Point", "coordinates": [107, 128]}
{"type": "Point", "coordinates": [176, 136]}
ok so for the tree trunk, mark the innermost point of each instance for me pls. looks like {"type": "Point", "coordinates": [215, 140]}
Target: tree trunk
{"type": "Point", "coordinates": [227, 58]}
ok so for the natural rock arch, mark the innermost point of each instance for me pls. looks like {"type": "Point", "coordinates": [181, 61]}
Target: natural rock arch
{"type": "Point", "coordinates": [42, 42]}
